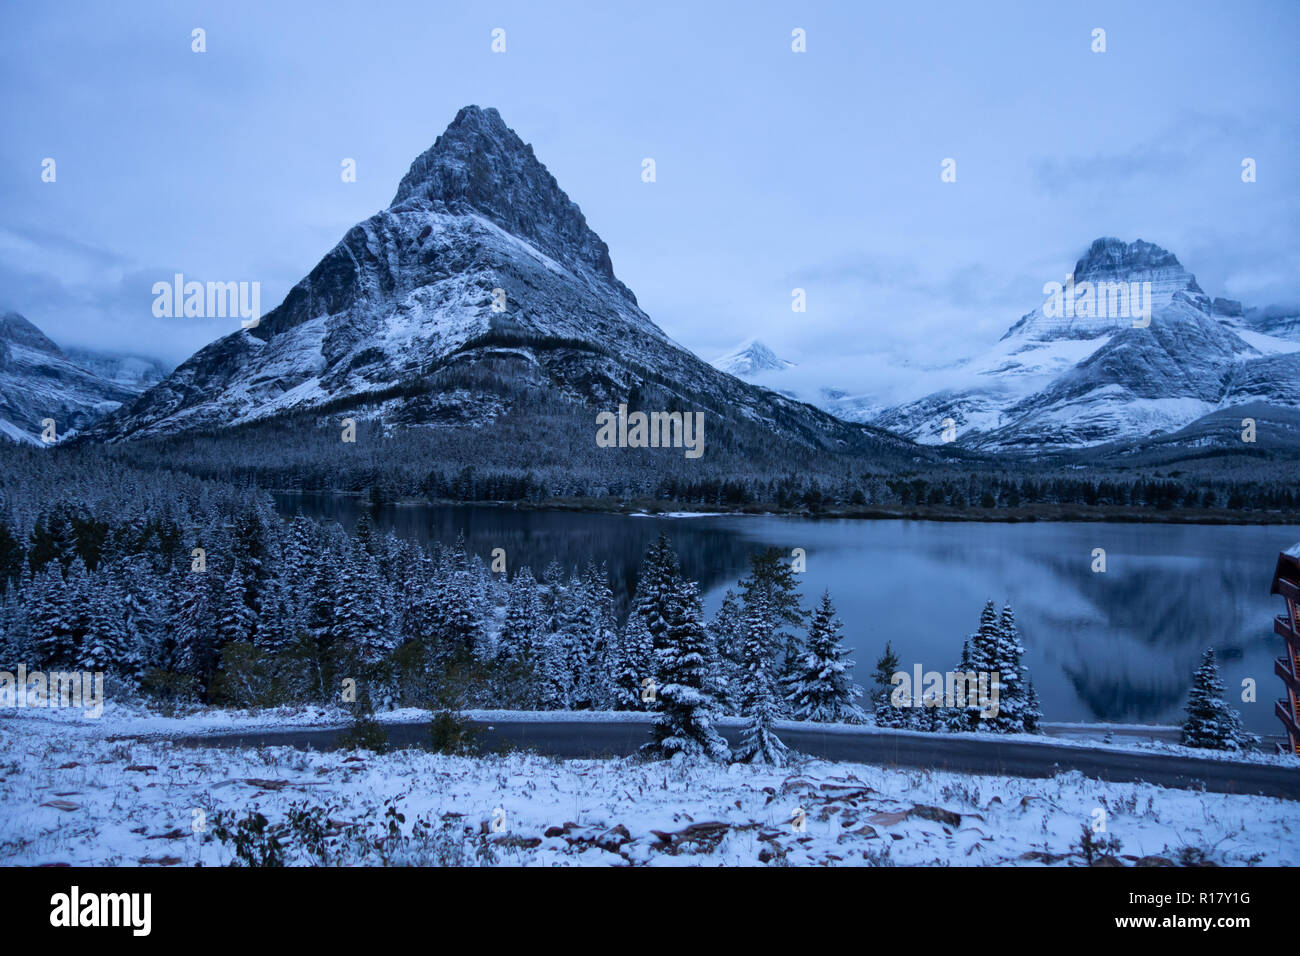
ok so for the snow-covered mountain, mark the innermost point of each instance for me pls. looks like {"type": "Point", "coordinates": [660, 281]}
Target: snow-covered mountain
{"type": "Point", "coordinates": [1062, 378]}
{"type": "Point", "coordinates": [38, 380]}
{"type": "Point", "coordinates": [481, 266]}
{"type": "Point", "coordinates": [749, 358]}
{"type": "Point", "coordinates": [135, 372]}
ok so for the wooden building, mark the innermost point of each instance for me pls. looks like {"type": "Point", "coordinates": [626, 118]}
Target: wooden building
{"type": "Point", "coordinates": [1286, 582]}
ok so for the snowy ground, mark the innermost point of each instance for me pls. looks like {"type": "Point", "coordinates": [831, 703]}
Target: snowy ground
{"type": "Point", "coordinates": [70, 795]}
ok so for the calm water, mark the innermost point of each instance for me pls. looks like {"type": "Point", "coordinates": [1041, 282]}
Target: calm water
{"type": "Point", "coordinates": [1118, 646]}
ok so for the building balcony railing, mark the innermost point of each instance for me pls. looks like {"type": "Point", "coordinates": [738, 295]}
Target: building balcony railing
{"type": "Point", "coordinates": [1286, 629]}
{"type": "Point", "coordinates": [1282, 707]}
{"type": "Point", "coordinates": [1282, 668]}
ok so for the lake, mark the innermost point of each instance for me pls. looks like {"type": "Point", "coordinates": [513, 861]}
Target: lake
{"type": "Point", "coordinates": [1115, 646]}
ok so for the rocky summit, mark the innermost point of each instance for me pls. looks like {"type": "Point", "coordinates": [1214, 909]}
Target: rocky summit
{"type": "Point", "coordinates": [479, 286]}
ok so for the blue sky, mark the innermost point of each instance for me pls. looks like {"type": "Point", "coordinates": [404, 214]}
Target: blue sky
{"type": "Point", "coordinates": [775, 170]}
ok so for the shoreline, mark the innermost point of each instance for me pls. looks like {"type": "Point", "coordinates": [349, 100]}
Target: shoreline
{"type": "Point", "coordinates": [1073, 514]}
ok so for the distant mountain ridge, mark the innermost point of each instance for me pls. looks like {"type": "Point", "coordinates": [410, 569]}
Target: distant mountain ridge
{"type": "Point", "coordinates": [1077, 378]}
{"type": "Point", "coordinates": [74, 388]}
{"type": "Point", "coordinates": [132, 371]}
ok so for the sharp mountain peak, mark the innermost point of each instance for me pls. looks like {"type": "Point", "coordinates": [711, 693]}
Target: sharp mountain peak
{"type": "Point", "coordinates": [481, 163]}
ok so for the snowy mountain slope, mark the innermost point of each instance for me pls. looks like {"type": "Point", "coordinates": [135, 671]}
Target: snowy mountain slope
{"type": "Point", "coordinates": [1061, 381]}
{"type": "Point", "coordinates": [481, 264]}
{"type": "Point", "coordinates": [38, 380]}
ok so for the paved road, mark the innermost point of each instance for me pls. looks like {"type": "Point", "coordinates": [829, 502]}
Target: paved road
{"type": "Point", "coordinates": [561, 738]}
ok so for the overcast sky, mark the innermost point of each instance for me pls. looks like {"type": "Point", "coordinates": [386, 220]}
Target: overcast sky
{"type": "Point", "coordinates": [775, 170]}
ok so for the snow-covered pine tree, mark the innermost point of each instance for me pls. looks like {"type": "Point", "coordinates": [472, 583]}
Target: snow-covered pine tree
{"type": "Point", "coordinates": [771, 586]}
{"type": "Point", "coordinates": [684, 722]}
{"type": "Point", "coordinates": [820, 685]}
{"type": "Point", "coordinates": [647, 624]}
{"type": "Point", "coordinates": [108, 645]}
{"type": "Point", "coordinates": [957, 718]}
{"type": "Point", "coordinates": [104, 647]}
{"type": "Point", "coordinates": [318, 615]}
{"type": "Point", "coordinates": [887, 715]}
{"type": "Point", "coordinates": [301, 553]}
{"type": "Point", "coordinates": [525, 617]}
{"type": "Point", "coordinates": [13, 556]}
{"type": "Point", "coordinates": [632, 664]}
{"type": "Point", "coordinates": [552, 589]}
{"type": "Point", "coordinates": [142, 605]}
{"type": "Point", "coordinates": [1211, 722]}
{"type": "Point", "coordinates": [13, 636]}
{"type": "Point", "coordinates": [1033, 711]}
{"type": "Point", "coordinates": [46, 612]}
{"type": "Point", "coordinates": [760, 704]}
{"type": "Point", "coordinates": [235, 619]}
{"type": "Point", "coordinates": [727, 632]}
{"type": "Point", "coordinates": [988, 656]}
{"type": "Point", "coordinates": [1013, 704]}
{"type": "Point", "coordinates": [80, 607]}
{"type": "Point", "coordinates": [449, 611]}
{"type": "Point", "coordinates": [527, 644]}
{"type": "Point", "coordinates": [359, 629]}
{"type": "Point", "coordinates": [252, 551]}
{"type": "Point", "coordinates": [594, 637]}
{"type": "Point", "coordinates": [193, 626]}
{"type": "Point", "coordinates": [561, 667]}
{"type": "Point", "coordinates": [363, 532]}
{"type": "Point", "coordinates": [656, 587]}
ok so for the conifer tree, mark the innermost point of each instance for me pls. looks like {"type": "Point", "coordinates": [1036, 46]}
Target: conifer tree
{"type": "Point", "coordinates": [1015, 712]}
{"type": "Point", "coordinates": [80, 608]}
{"type": "Point", "coordinates": [820, 685]}
{"type": "Point", "coordinates": [359, 627]}
{"type": "Point", "coordinates": [772, 590]}
{"type": "Point", "coordinates": [1033, 711]}
{"type": "Point", "coordinates": [685, 717]}
{"type": "Point", "coordinates": [727, 633]}
{"type": "Point", "coordinates": [104, 647]}
{"type": "Point", "coordinates": [656, 587]}
{"type": "Point", "coordinates": [251, 552]}
{"type": "Point", "coordinates": [962, 717]}
{"type": "Point", "coordinates": [992, 652]}
{"type": "Point", "coordinates": [194, 627]}
{"type": "Point", "coordinates": [47, 612]}
{"type": "Point", "coordinates": [887, 715]}
{"type": "Point", "coordinates": [760, 704]}
{"type": "Point", "coordinates": [632, 666]}
{"type": "Point", "coordinates": [12, 558]}
{"type": "Point", "coordinates": [235, 619]}
{"type": "Point", "coordinates": [521, 633]}
{"type": "Point", "coordinates": [1211, 722]}
{"type": "Point", "coordinates": [594, 639]}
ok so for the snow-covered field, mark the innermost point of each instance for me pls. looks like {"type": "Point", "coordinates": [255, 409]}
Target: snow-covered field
{"type": "Point", "coordinates": [69, 793]}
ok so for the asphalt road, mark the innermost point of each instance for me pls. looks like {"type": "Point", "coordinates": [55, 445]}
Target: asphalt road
{"type": "Point", "coordinates": [937, 752]}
